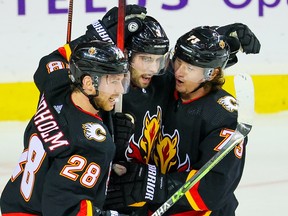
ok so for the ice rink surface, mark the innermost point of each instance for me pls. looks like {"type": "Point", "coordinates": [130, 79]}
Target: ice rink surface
{"type": "Point", "coordinates": [263, 189]}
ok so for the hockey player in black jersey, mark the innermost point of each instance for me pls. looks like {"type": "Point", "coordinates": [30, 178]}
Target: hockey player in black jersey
{"type": "Point", "coordinates": [146, 49]}
{"type": "Point", "coordinates": [200, 119]}
{"type": "Point", "coordinates": [68, 150]}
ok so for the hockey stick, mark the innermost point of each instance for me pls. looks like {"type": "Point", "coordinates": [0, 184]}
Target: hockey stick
{"type": "Point", "coordinates": [245, 97]}
{"type": "Point", "coordinates": [69, 24]}
{"type": "Point", "coordinates": [121, 24]}
{"type": "Point", "coordinates": [119, 169]}
{"type": "Point", "coordinates": [120, 40]}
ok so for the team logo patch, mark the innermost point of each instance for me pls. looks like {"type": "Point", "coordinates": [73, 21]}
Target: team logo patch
{"type": "Point", "coordinates": [222, 44]}
{"type": "Point", "coordinates": [133, 27]}
{"type": "Point", "coordinates": [94, 131]}
{"type": "Point", "coordinates": [92, 51]}
{"type": "Point", "coordinates": [229, 103]}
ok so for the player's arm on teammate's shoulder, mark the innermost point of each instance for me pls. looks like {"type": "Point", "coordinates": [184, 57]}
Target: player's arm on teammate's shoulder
{"type": "Point", "coordinates": [239, 37]}
{"type": "Point", "coordinates": [47, 68]}
{"type": "Point", "coordinates": [104, 29]}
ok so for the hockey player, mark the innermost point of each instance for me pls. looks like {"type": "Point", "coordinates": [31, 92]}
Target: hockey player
{"type": "Point", "coordinates": [199, 120]}
{"type": "Point", "coordinates": [68, 150]}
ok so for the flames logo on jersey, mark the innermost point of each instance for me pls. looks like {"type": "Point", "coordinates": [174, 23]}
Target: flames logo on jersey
{"type": "Point", "coordinates": [156, 146]}
{"type": "Point", "coordinates": [141, 150]}
{"type": "Point", "coordinates": [94, 131]}
{"type": "Point", "coordinates": [166, 154]}
{"type": "Point", "coordinates": [229, 103]}
{"type": "Point", "coordinates": [166, 151]}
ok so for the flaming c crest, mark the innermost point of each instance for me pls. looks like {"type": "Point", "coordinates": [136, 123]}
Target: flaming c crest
{"type": "Point", "coordinates": [154, 146]}
{"type": "Point", "coordinates": [141, 150]}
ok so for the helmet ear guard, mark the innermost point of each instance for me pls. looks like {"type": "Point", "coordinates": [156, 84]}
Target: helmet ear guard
{"type": "Point", "coordinates": [208, 74]}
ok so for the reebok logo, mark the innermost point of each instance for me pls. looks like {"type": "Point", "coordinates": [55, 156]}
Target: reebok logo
{"type": "Point", "coordinates": [58, 108]}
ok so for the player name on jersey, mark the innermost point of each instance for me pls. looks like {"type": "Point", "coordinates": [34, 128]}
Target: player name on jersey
{"type": "Point", "coordinates": [48, 127]}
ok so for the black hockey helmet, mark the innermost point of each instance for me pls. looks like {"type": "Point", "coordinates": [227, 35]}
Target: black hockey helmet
{"type": "Point", "coordinates": [96, 58]}
{"type": "Point", "coordinates": [202, 47]}
{"type": "Point", "coordinates": [151, 39]}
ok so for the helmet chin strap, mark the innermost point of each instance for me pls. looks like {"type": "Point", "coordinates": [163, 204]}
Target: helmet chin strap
{"type": "Point", "coordinates": [90, 97]}
{"type": "Point", "coordinates": [207, 77]}
{"type": "Point", "coordinates": [199, 86]}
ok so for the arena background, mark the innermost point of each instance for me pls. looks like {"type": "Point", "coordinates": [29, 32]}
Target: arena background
{"type": "Point", "coordinates": [31, 29]}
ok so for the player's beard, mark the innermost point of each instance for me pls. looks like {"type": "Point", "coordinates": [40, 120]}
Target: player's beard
{"type": "Point", "coordinates": [139, 79]}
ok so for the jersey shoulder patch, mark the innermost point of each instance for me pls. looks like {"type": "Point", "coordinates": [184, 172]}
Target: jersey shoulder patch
{"type": "Point", "coordinates": [55, 65]}
{"type": "Point", "coordinates": [228, 102]}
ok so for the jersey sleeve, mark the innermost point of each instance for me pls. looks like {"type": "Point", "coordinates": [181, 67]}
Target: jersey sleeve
{"type": "Point", "coordinates": [53, 70]}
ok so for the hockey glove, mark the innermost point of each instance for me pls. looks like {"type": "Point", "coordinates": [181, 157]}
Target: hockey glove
{"type": "Point", "coordinates": [234, 45]}
{"type": "Point", "coordinates": [140, 184]}
{"type": "Point", "coordinates": [123, 129]}
{"type": "Point", "coordinates": [106, 29]}
{"type": "Point", "coordinates": [248, 40]}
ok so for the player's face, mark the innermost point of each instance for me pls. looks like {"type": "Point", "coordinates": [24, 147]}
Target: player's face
{"type": "Point", "coordinates": [110, 88]}
{"type": "Point", "coordinates": [187, 76]}
{"type": "Point", "coordinates": [144, 66]}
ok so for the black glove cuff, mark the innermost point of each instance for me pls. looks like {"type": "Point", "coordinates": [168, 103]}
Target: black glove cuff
{"type": "Point", "coordinates": [96, 30]}
{"type": "Point", "coordinates": [232, 60]}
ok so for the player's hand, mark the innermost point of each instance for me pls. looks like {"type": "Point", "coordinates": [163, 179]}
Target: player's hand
{"type": "Point", "coordinates": [110, 19]}
{"type": "Point", "coordinates": [131, 188]}
{"type": "Point", "coordinates": [106, 29]}
{"type": "Point", "coordinates": [119, 169]}
{"type": "Point", "coordinates": [123, 129]}
{"type": "Point", "coordinates": [248, 41]}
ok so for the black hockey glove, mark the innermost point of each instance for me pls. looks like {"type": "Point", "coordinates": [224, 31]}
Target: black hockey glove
{"type": "Point", "coordinates": [248, 40]}
{"type": "Point", "coordinates": [123, 129]}
{"type": "Point", "coordinates": [106, 29]}
{"type": "Point", "coordinates": [141, 183]}
{"type": "Point", "coordinates": [234, 45]}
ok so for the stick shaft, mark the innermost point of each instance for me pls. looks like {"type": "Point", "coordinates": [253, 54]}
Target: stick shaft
{"type": "Point", "coordinates": [121, 24]}
{"type": "Point", "coordinates": [120, 40]}
{"type": "Point", "coordinates": [69, 24]}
